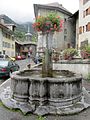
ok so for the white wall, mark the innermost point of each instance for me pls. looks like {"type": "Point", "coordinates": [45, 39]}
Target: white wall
{"type": "Point", "coordinates": [83, 22]}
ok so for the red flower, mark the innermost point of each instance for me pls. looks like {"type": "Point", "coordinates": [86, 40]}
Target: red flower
{"type": "Point", "coordinates": [48, 23]}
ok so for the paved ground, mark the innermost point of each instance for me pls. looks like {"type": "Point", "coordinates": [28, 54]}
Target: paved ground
{"type": "Point", "coordinates": [23, 63]}
{"type": "Point", "coordinates": [7, 114]}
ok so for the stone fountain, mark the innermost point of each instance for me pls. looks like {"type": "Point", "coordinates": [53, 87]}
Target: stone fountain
{"type": "Point", "coordinates": [45, 91]}
{"type": "Point", "coordinates": [32, 93]}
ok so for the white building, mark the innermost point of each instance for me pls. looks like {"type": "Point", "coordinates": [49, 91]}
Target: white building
{"type": "Point", "coordinates": [84, 22]}
{"type": "Point", "coordinates": [7, 43]}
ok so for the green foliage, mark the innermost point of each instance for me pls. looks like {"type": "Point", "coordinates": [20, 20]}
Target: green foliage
{"type": "Point", "coordinates": [70, 52]}
{"type": "Point", "coordinates": [87, 48]}
{"type": "Point", "coordinates": [34, 38]}
{"type": "Point", "coordinates": [48, 23]}
{"type": "Point", "coordinates": [19, 35]}
{"type": "Point", "coordinates": [40, 118]}
{"type": "Point", "coordinates": [88, 77]}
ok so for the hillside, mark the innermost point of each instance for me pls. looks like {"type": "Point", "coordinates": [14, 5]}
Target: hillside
{"type": "Point", "coordinates": [21, 29]}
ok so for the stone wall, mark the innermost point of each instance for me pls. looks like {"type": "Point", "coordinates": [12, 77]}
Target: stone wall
{"type": "Point", "coordinates": [77, 66]}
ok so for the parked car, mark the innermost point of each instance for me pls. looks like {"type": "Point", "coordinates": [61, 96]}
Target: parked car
{"type": "Point", "coordinates": [20, 57]}
{"type": "Point", "coordinates": [7, 67]}
{"type": "Point", "coordinates": [2, 56]}
{"type": "Point", "coordinates": [23, 57]}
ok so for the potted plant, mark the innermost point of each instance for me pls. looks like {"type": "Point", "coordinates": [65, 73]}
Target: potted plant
{"type": "Point", "coordinates": [69, 53]}
{"type": "Point", "coordinates": [49, 23]}
{"type": "Point", "coordinates": [85, 52]}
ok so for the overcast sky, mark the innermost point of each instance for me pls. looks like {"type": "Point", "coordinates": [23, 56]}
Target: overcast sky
{"type": "Point", "coordinates": [22, 10]}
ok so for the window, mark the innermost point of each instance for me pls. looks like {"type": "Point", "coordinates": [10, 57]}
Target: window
{"type": "Point", "coordinates": [80, 30]}
{"type": "Point", "coordinates": [83, 29]}
{"type": "Point", "coordinates": [12, 46]}
{"type": "Point", "coordinates": [88, 27]}
{"type": "Point", "coordinates": [3, 43]}
{"type": "Point", "coordinates": [89, 11]}
{"type": "Point", "coordinates": [65, 31]}
{"type": "Point", "coordinates": [65, 38]}
{"type": "Point", "coordinates": [65, 19]}
{"type": "Point", "coordinates": [84, 13]}
{"type": "Point", "coordinates": [6, 44]}
{"type": "Point", "coordinates": [68, 45]}
{"type": "Point", "coordinates": [12, 37]}
{"type": "Point", "coordinates": [3, 51]}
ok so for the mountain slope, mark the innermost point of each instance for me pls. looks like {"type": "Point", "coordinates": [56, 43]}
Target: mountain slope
{"type": "Point", "coordinates": [20, 28]}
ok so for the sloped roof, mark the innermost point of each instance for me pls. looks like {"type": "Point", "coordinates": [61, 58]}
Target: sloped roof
{"type": "Point", "coordinates": [25, 42]}
{"type": "Point", "coordinates": [51, 6]}
{"type": "Point", "coordinates": [6, 28]}
{"type": "Point", "coordinates": [7, 20]}
{"type": "Point", "coordinates": [56, 4]}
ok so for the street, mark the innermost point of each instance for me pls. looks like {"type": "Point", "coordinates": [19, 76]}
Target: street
{"type": "Point", "coordinates": [23, 64]}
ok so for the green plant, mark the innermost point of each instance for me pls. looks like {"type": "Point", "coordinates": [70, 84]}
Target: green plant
{"type": "Point", "coordinates": [88, 77]}
{"type": "Point", "coordinates": [85, 52]}
{"type": "Point", "coordinates": [70, 52]}
{"type": "Point", "coordinates": [87, 48]}
{"type": "Point", "coordinates": [40, 118]}
{"type": "Point", "coordinates": [48, 23]}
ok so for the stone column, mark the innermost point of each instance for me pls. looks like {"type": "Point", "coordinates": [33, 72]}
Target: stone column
{"type": "Point", "coordinates": [47, 62]}
{"type": "Point", "coordinates": [20, 88]}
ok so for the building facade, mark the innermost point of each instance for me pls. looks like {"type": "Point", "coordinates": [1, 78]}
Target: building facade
{"type": "Point", "coordinates": [63, 39]}
{"type": "Point", "coordinates": [26, 47]}
{"type": "Point", "coordinates": [84, 22]}
{"type": "Point", "coordinates": [7, 43]}
{"type": "Point", "coordinates": [75, 25]}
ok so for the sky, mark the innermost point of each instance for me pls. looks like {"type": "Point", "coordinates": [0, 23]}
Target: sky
{"type": "Point", "coordinates": [22, 10]}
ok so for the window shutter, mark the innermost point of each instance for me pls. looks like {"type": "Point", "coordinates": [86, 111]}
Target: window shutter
{"type": "Point", "coordinates": [89, 26]}
{"type": "Point", "coordinates": [80, 30]}
{"type": "Point", "coordinates": [89, 11]}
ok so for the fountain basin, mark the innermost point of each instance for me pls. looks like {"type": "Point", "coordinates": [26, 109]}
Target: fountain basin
{"type": "Point", "coordinates": [29, 92]}
{"type": "Point", "coordinates": [46, 94]}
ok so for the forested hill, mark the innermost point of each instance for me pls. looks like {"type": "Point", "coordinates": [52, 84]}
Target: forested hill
{"type": "Point", "coordinates": [20, 28]}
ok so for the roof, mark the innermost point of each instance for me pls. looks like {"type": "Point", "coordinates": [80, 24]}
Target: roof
{"type": "Point", "coordinates": [51, 6]}
{"type": "Point", "coordinates": [56, 4]}
{"type": "Point", "coordinates": [7, 20]}
{"type": "Point", "coordinates": [75, 14]}
{"type": "Point", "coordinates": [10, 25]}
{"type": "Point", "coordinates": [6, 28]}
{"type": "Point", "coordinates": [28, 34]}
{"type": "Point", "coordinates": [25, 42]}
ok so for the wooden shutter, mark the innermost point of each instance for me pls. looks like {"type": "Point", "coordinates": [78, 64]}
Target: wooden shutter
{"type": "Point", "coordinates": [89, 26]}
{"type": "Point", "coordinates": [80, 30]}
